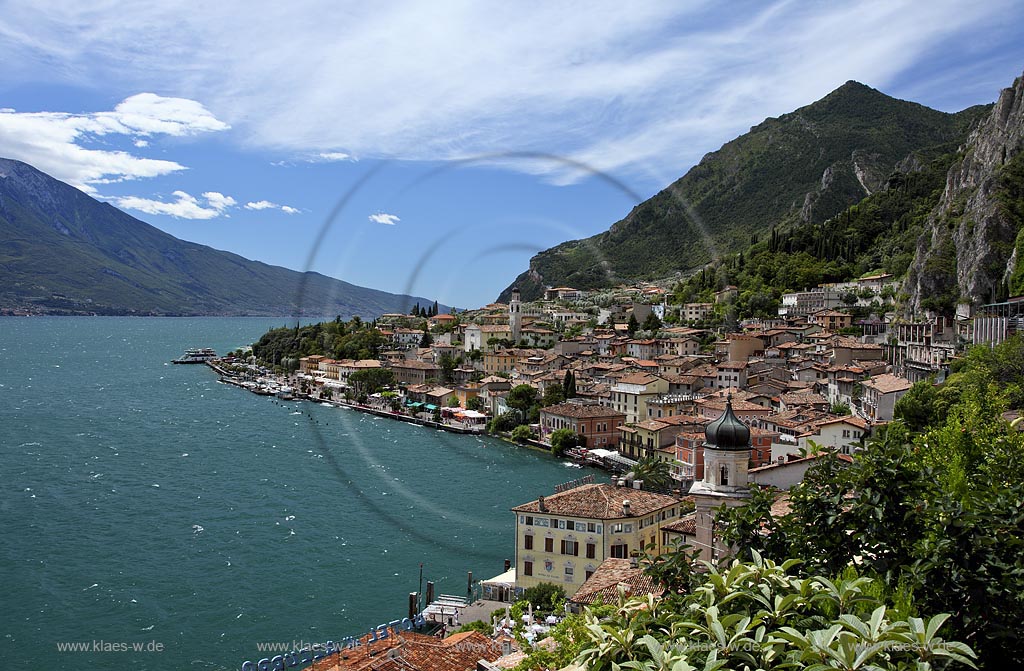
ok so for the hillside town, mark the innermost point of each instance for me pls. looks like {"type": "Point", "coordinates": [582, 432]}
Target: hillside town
{"type": "Point", "coordinates": [624, 379]}
{"type": "Point", "coordinates": [648, 376]}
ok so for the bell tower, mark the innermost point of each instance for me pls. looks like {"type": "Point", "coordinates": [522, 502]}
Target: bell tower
{"type": "Point", "coordinates": [515, 316]}
{"type": "Point", "coordinates": [726, 480]}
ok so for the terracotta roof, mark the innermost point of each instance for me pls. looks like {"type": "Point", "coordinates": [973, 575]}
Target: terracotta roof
{"type": "Point", "coordinates": [887, 383]}
{"type": "Point", "coordinates": [686, 525]}
{"type": "Point", "coordinates": [804, 398]}
{"type": "Point", "coordinates": [419, 365]}
{"type": "Point", "coordinates": [581, 411]}
{"type": "Point", "coordinates": [853, 420]}
{"type": "Point", "coordinates": [737, 405]}
{"type": "Point", "coordinates": [605, 581]}
{"type": "Point", "coordinates": [601, 502]}
{"type": "Point", "coordinates": [638, 378]}
{"type": "Point", "coordinates": [410, 651]}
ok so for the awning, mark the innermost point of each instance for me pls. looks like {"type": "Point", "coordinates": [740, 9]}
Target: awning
{"type": "Point", "coordinates": [616, 458]}
{"type": "Point", "coordinates": [508, 578]}
{"type": "Point", "coordinates": [414, 405]}
{"type": "Point", "coordinates": [430, 406]}
{"type": "Point", "coordinates": [473, 414]}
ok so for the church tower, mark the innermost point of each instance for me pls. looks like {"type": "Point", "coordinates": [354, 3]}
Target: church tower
{"type": "Point", "coordinates": [726, 481]}
{"type": "Point", "coordinates": [515, 316]}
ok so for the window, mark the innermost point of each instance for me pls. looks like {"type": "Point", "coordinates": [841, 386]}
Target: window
{"type": "Point", "coordinates": [528, 542]}
{"type": "Point", "coordinates": [568, 571]}
{"type": "Point", "coordinates": [570, 548]}
{"type": "Point", "coordinates": [549, 545]}
{"type": "Point", "coordinates": [591, 550]}
{"type": "Point", "coordinates": [527, 568]}
{"type": "Point", "coordinates": [591, 527]}
{"type": "Point", "coordinates": [628, 528]}
{"type": "Point", "coordinates": [616, 528]}
{"type": "Point", "coordinates": [529, 520]}
{"type": "Point", "coordinates": [580, 526]}
{"type": "Point", "coordinates": [588, 574]}
{"type": "Point", "coordinates": [620, 551]}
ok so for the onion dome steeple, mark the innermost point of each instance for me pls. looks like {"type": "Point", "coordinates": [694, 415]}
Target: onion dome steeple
{"type": "Point", "coordinates": [728, 432]}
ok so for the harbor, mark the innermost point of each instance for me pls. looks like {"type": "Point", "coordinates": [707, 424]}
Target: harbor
{"type": "Point", "coordinates": [267, 385]}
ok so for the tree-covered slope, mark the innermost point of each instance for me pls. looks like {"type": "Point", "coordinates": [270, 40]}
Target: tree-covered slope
{"type": "Point", "coordinates": [878, 234]}
{"type": "Point", "coordinates": [805, 166]}
{"type": "Point", "coordinates": [62, 251]}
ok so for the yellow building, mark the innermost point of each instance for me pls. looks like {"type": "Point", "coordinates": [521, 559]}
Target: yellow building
{"type": "Point", "coordinates": [563, 538]}
{"type": "Point", "coordinates": [501, 361]}
{"type": "Point", "coordinates": [629, 395]}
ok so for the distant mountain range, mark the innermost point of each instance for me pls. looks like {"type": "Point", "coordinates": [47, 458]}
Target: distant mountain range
{"type": "Point", "coordinates": [803, 167]}
{"type": "Point", "coordinates": [63, 252]}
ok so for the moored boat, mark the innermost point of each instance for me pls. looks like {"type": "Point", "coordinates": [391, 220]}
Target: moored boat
{"type": "Point", "coordinates": [196, 355]}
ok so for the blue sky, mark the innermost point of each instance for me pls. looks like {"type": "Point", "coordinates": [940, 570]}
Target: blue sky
{"type": "Point", "coordinates": [244, 125]}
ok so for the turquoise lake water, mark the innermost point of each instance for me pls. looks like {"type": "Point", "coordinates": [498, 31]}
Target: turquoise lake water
{"type": "Point", "coordinates": [144, 503]}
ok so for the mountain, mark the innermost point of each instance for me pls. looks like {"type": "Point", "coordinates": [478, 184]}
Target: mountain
{"type": "Point", "coordinates": [63, 252]}
{"type": "Point", "coordinates": [972, 249]}
{"type": "Point", "coordinates": [802, 167]}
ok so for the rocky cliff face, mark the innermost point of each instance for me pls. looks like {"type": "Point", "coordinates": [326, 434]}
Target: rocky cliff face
{"type": "Point", "coordinates": [967, 253]}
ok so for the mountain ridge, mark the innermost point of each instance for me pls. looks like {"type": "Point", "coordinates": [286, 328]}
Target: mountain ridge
{"type": "Point", "coordinates": [64, 252]}
{"type": "Point", "coordinates": [803, 166]}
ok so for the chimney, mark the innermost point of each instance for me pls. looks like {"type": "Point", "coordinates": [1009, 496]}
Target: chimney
{"type": "Point", "coordinates": [508, 564]}
{"type": "Point", "coordinates": [638, 484]}
{"type": "Point", "coordinates": [506, 646]}
{"type": "Point", "coordinates": [625, 508]}
{"type": "Point", "coordinates": [540, 505]}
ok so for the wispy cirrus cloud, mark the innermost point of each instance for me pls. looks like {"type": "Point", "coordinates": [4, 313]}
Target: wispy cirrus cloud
{"type": "Point", "coordinates": [384, 218]}
{"type": "Point", "coordinates": [630, 88]}
{"type": "Point", "coordinates": [184, 205]}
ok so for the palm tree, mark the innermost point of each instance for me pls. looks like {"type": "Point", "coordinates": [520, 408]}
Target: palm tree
{"type": "Point", "coordinates": [654, 472]}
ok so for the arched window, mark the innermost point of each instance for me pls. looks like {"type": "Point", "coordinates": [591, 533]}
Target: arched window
{"type": "Point", "coordinates": [725, 475]}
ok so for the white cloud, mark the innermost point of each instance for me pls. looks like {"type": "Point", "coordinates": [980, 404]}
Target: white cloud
{"type": "Point", "coordinates": [382, 218]}
{"type": "Point", "coordinates": [219, 201]}
{"type": "Point", "coordinates": [184, 207]}
{"type": "Point", "coordinates": [626, 87]}
{"type": "Point", "coordinates": [334, 156]}
{"type": "Point", "coordinates": [150, 114]}
{"type": "Point", "coordinates": [267, 205]}
{"type": "Point", "coordinates": [55, 142]}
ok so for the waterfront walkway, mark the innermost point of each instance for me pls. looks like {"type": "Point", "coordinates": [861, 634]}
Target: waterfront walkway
{"type": "Point", "coordinates": [445, 425]}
